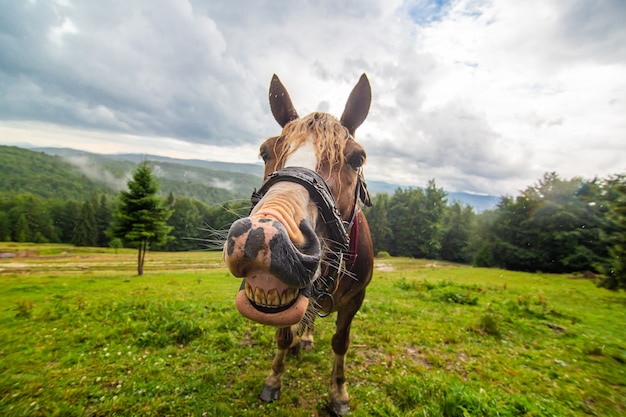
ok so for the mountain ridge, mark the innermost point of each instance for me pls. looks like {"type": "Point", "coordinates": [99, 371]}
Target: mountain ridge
{"type": "Point", "coordinates": [226, 175]}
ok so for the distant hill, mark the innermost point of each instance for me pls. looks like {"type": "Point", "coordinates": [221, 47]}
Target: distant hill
{"type": "Point", "coordinates": [208, 181]}
{"type": "Point", "coordinates": [25, 171]}
{"type": "Point", "coordinates": [253, 169]}
{"type": "Point", "coordinates": [478, 201]}
{"type": "Point", "coordinates": [72, 174]}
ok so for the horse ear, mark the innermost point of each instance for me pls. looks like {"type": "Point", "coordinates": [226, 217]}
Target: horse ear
{"type": "Point", "coordinates": [358, 105]}
{"type": "Point", "coordinates": [280, 103]}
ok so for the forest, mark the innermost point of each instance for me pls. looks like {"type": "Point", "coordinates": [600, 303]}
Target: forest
{"type": "Point", "coordinates": [555, 225]}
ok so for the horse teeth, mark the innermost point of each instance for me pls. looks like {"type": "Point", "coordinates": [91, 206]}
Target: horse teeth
{"type": "Point", "coordinates": [273, 298]}
{"type": "Point", "coordinates": [289, 295]}
{"type": "Point", "coordinates": [259, 297]}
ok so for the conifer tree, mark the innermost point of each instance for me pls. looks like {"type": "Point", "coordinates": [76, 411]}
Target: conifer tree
{"type": "Point", "coordinates": [86, 232]}
{"type": "Point", "coordinates": [5, 230]}
{"type": "Point", "coordinates": [103, 219]}
{"type": "Point", "coordinates": [140, 217]}
{"type": "Point", "coordinates": [22, 230]}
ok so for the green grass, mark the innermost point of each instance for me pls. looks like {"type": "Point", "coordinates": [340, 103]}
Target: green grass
{"type": "Point", "coordinates": [81, 335]}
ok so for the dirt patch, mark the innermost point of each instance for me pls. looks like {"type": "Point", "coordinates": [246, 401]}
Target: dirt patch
{"type": "Point", "coordinates": [18, 254]}
{"type": "Point", "coordinates": [14, 265]}
{"type": "Point", "coordinates": [368, 356]}
{"type": "Point", "coordinates": [441, 265]}
{"type": "Point", "coordinates": [418, 357]}
{"type": "Point", "coordinates": [383, 267]}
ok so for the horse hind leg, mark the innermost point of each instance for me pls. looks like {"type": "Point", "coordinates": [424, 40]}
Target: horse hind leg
{"type": "Point", "coordinates": [339, 398]}
{"type": "Point", "coordinates": [286, 339]}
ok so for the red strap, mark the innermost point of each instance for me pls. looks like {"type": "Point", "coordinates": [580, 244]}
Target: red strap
{"type": "Point", "coordinates": [351, 256]}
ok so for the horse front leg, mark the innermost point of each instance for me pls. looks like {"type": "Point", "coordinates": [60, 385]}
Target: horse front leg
{"type": "Point", "coordinates": [286, 337]}
{"type": "Point", "coordinates": [306, 340]}
{"type": "Point", "coordinates": [339, 398]}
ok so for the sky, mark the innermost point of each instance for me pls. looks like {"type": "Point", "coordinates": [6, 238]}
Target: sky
{"type": "Point", "coordinates": [482, 96]}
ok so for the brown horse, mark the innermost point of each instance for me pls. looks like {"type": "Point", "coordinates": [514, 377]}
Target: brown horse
{"type": "Point", "coordinates": [305, 250]}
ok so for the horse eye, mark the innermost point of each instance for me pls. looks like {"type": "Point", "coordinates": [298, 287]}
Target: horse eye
{"type": "Point", "coordinates": [264, 155]}
{"type": "Point", "coordinates": [356, 159]}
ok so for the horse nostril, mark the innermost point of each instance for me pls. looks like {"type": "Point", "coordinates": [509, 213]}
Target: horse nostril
{"type": "Point", "coordinates": [239, 227]}
{"type": "Point", "coordinates": [254, 243]}
{"type": "Point", "coordinates": [312, 243]}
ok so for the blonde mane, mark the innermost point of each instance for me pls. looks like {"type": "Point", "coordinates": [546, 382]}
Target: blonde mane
{"type": "Point", "coordinates": [329, 138]}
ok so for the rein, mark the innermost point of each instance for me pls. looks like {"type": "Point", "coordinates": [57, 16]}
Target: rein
{"type": "Point", "coordinates": [343, 236]}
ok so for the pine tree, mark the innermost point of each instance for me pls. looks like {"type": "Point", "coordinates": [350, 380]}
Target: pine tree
{"type": "Point", "coordinates": [86, 233]}
{"type": "Point", "coordinates": [5, 230]}
{"type": "Point", "coordinates": [37, 218]}
{"type": "Point", "coordinates": [22, 231]}
{"type": "Point", "coordinates": [66, 219]}
{"type": "Point", "coordinates": [103, 219]}
{"type": "Point", "coordinates": [141, 217]}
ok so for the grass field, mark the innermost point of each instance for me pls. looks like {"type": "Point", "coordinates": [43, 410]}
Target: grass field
{"type": "Point", "coordinates": [81, 335]}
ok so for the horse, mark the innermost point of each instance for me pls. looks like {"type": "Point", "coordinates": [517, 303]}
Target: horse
{"type": "Point", "coordinates": [305, 248]}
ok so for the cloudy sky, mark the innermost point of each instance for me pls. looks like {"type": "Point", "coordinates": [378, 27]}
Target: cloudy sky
{"type": "Point", "coordinates": [484, 96]}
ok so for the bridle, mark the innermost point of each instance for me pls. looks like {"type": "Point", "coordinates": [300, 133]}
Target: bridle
{"type": "Point", "coordinates": [339, 241]}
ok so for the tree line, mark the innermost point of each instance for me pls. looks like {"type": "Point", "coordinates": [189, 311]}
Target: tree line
{"type": "Point", "coordinates": [27, 217]}
{"type": "Point", "coordinates": [555, 225]}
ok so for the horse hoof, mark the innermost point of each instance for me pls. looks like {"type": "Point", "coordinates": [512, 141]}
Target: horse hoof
{"type": "Point", "coordinates": [340, 408]}
{"type": "Point", "coordinates": [269, 394]}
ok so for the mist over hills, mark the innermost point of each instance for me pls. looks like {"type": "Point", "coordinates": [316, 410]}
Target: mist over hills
{"type": "Point", "coordinates": [209, 181]}
{"type": "Point", "coordinates": [253, 169]}
{"type": "Point", "coordinates": [72, 174]}
{"type": "Point", "coordinates": [195, 178]}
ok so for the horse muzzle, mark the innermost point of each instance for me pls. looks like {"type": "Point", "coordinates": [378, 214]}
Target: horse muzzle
{"type": "Point", "coordinates": [277, 273]}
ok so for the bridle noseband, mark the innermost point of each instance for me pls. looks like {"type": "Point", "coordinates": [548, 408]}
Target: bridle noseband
{"type": "Point", "coordinates": [339, 230]}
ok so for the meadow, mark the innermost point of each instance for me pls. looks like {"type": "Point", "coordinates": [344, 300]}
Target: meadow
{"type": "Point", "coordinates": [82, 335]}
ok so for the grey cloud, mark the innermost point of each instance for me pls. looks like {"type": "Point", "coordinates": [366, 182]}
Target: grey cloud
{"type": "Point", "coordinates": [595, 29]}
{"type": "Point", "coordinates": [184, 70]}
{"type": "Point", "coordinates": [159, 72]}
{"type": "Point", "coordinates": [455, 143]}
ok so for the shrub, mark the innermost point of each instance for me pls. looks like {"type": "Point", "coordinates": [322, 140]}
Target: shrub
{"type": "Point", "coordinates": [489, 325]}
